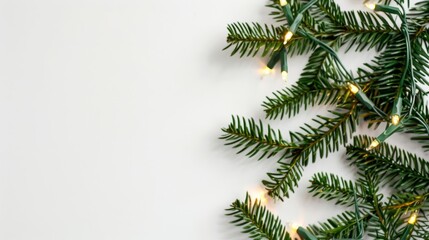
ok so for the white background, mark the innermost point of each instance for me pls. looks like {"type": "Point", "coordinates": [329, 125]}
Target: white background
{"type": "Point", "coordinates": [111, 113]}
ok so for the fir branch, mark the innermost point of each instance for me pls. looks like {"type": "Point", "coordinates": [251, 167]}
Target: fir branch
{"type": "Point", "coordinates": [343, 226]}
{"type": "Point", "coordinates": [285, 179]}
{"type": "Point", "coordinates": [386, 229]}
{"type": "Point", "coordinates": [398, 168]}
{"type": "Point", "coordinates": [289, 101]}
{"type": "Point", "coordinates": [248, 39]}
{"type": "Point", "coordinates": [331, 187]}
{"type": "Point", "coordinates": [332, 11]}
{"type": "Point", "coordinates": [257, 221]}
{"type": "Point", "coordinates": [248, 136]}
{"type": "Point", "coordinates": [315, 74]}
{"type": "Point", "coordinates": [418, 17]}
{"type": "Point", "coordinates": [312, 142]}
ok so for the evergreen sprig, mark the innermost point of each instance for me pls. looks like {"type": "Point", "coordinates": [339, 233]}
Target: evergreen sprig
{"type": "Point", "coordinates": [256, 220]}
{"type": "Point", "coordinates": [289, 101]}
{"type": "Point", "coordinates": [342, 226]}
{"type": "Point", "coordinates": [400, 169]}
{"type": "Point", "coordinates": [252, 138]}
{"type": "Point", "coordinates": [333, 187]}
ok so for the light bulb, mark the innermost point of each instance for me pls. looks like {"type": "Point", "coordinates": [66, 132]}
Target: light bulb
{"type": "Point", "coordinates": [353, 88]}
{"type": "Point", "coordinates": [413, 218]}
{"type": "Point", "coordinates": [261, 196]}
{"type": "Point", "coordinates": [284, 75]}
{"type": "Point", "coordinates": [267, 71]}
{"type": "Point", "coordinates": [395, 119]}
{"type": "Point", "coordinates": [283, 3]}
{"type": "Point", "coordinates": [373, 145]}
{"type": "Point", "coordinates": [288, 36]}
{"type": "Point", "coordinates": [370, 5]}
{"type": "Point", "coordinates": [294, 227]}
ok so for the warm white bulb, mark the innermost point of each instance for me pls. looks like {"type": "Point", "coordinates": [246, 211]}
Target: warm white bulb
{"type": "Point", "coordinates": [266, 71]}
{"type": "Point", "coordinates": [260, 195]}
{"type": "Point", "coordinates": [374, 144]}
{"type": "Point", "coordinates": [413, 218]}
{"type": "Point", "coordinates": [370, 5]}
{"type": "Point", "coordinates": [395, 119]}
{"type": "Point", "coordinates": [294, 227]}
{"type": "Point", "coordinates": [287, 37]}
{"type": "Point", "coordinates": [353, 88]}
{"type": "Point", "coordinates": [283, 3]}
{"type": "Point", "coordinates": [284, 75]}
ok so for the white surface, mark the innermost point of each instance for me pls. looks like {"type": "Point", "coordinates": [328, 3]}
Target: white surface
{"type": "Point", "coordinates": [110, 114]}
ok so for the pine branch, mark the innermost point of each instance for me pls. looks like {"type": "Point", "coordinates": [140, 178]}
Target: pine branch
{"type": "Point", "coordinates": [285, 179]}
{"type": "Point", "coordinates": [343, 226]}
{"type": "Point", "coordinates": [418, 17]}
{"type": "Point", "coordinates": [311, 142]}
{"type": "Point", "coordinates": [248, 136]}
{"type": "Point", "coordinates": [387, 228]}
{"type": "Point", "coordinates": [331, 187]}
{"type": "Point", "coordinates": [257, 221]}
{"type": "Point", "coordinates": [418, 126]}
{"type": "Point", "coordinates": [248, 39]}
{"type": "Point", "coordinates": [403, 62]}
{"type": "Point", "coordinates": [398, 168]}
{"type": "Point", "coordinates": [289, 101]}
{"type": "Point", "coordinates": [314, 75]}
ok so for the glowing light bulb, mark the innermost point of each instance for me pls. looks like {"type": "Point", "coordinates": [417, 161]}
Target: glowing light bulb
{"type": "Point", "coordinates": [353, 88]}
{"type": "Point", "coordinates": [283, 3]}
{"type": "Point", "coordinates": [267, 71]}
{"type": "Point", "coordinates": [373, 145]}
{"type": "Point", "coordinates": [395, 119]}
{"type": "Point", "coordinates": [284, 75]}
{"type": "Point", "coordinates": [287, 37]}
{"type": "Point", "coordinates": [413, 219]}
{"type": "Point", "coordinates": [294, 227]}
{"type": "Point", "coordinates": [370, 5]}
{"type": "Point", "coordinates": [260, 195]}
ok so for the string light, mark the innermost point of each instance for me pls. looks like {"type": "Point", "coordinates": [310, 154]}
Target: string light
{"type": "Point", "coordinates": [395, 119]}
{"type": "Point", "coordinates": [294, 227]}
{"type": "Point", "coordinates": [284, 75]}
{"type": "Point", "coordinates": [260, 195]}
{"type": "Point", "coordinates": [413, 218]}
{"type": "Point", "coordinates": [304, 234]}
{"type": "Point", "coordinates": [287, 37]}
{"type": "Point", "coordinates": [283, 3]}
{"type": "Point", "coordinates": [267, 71]}
{"type": "Point", "coordinates": [353, 88]}
{"type": "Point", "coordinates": [370, 5]}
{"type": "Point", "coordinates": [284, 66]}
{"type": "Point", "coordinates": [373, 144]}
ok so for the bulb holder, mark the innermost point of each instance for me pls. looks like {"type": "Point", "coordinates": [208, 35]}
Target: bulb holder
{"type": "Point", "coordinates": [283, 63]}
{"type": "Point", "coordinates": [388, 132]}
{"type": "Point", "coordinates": [386, 9]}
{"type": "Point", "coordinates": [305, 235]}
{"type": "Point", "coordinates": [397, 106]}
{"type": "Point", "coordinates": [296, 22]}
{"type": "Point", "coordinates": [361, 96]}
{"type": "Point", "coordinates": [274, 59]}
{"type": "Point", "coordinates": [288, 13]}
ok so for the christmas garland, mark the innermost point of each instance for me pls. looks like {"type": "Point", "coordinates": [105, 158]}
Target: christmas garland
{"type": "Point", "coordinates": [387, 91]}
